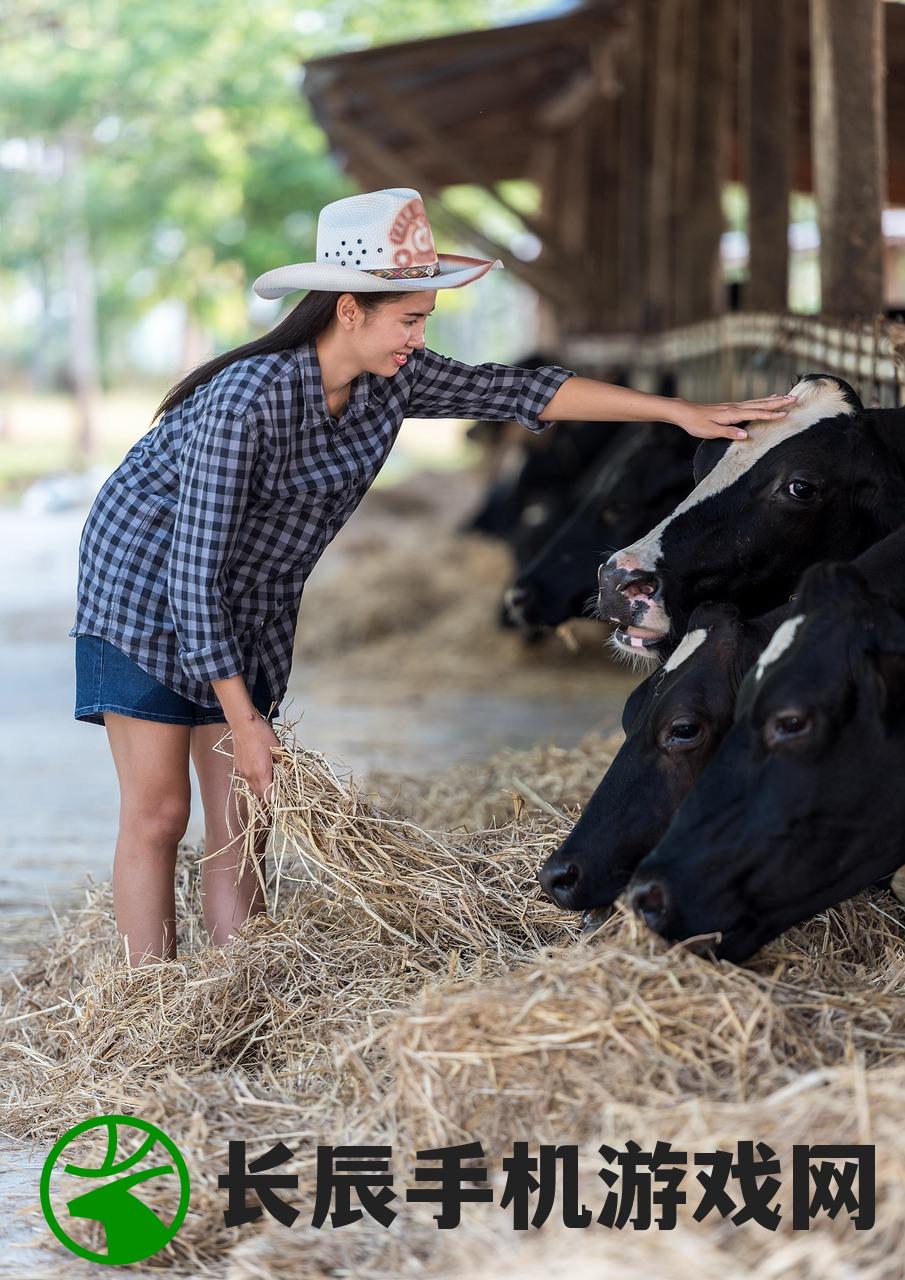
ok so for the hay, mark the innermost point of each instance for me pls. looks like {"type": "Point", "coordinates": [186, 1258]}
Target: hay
{"type": "Point", "coordinates": [420, 610]}
{"type": "Point", "coordinates": [510, 783]}
{"type": "Point", "coordinates": [414, 988]}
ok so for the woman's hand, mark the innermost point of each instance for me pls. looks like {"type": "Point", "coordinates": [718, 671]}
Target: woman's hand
{"type": "Point", "coordinates": [252, 759]}
{"type": "Point", "coordinates": [716, 421]}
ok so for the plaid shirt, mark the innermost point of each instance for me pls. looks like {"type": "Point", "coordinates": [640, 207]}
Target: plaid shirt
{"type": "Point", "coordinates": [195, 553]}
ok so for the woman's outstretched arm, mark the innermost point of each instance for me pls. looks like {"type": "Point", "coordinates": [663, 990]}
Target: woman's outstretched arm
{"type": "Point", "coordinates": [586, 400]}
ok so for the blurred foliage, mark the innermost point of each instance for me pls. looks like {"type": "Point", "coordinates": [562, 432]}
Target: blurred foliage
{"type": "Point", "coordinates": [175, 135]}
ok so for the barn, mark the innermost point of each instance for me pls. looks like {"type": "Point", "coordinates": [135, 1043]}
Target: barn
{"type": "Point", "coordinates": [639, 112]}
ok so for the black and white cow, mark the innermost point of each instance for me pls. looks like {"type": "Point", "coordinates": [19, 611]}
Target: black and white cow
{"type": "Point", "coordinates": [647, 472]}
{"type": "Point", "coordinates": [824, 482]}
{"type": "Point", "coordinates": [535, 483]}
{"type": "Point", "coordinates": [674, 722]}
{"type": "Point", "coordinates": [803, 804]}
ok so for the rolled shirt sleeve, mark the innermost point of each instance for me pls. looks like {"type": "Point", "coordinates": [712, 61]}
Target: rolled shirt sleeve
{"type": "Point", "coordinates": [445, 388]}
{"type": "Point", "coordinates": [216, 467]}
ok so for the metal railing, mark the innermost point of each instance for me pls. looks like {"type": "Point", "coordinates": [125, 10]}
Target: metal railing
{"type": "Point", "coordinates": [743, 355]}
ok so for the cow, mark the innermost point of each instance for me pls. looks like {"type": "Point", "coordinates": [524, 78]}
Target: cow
{"type": "Point", "coordinates": [824, 482]}
{"type": "Point", "coordinates": [536, 479]}
{"type": "Point", "coordinates": [674, 722]}
{"type": "Point", "coordinates": [802, 805]}
{"type": "Point", "coordinates": [531, 474]}
{"type": "Point", "coordinates": [646, 474]}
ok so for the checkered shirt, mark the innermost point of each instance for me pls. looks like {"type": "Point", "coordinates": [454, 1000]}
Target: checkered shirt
{"type": "Point", "coordinates": [196, 550]}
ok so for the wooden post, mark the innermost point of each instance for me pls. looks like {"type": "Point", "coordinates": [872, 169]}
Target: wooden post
{"type": "Point", "coordinates": [549, 314]}
{"type": "Point", "coordinates": [662, 185]}
{"type": "Point", "coordinates": [768, 130]}
{"type": "Point", "coordinates": [573, 177]}
{"type": "Point", "coordinates": [601, 230]}
{"type": "Point", "coordinates": [848, 144]}
{"type": "Point", "coordinates": [635, 164]}
{"type": "Point", "coordinates": [702, 156]}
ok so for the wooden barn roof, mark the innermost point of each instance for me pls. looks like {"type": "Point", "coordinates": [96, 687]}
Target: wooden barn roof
{"type": "Point", "coordinates": [469, 107]}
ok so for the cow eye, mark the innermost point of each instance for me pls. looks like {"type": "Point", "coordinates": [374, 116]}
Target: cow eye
{"type": "Point", "coordinates": [801, 490]}
{"type": "Point", "coordinates": [682, 733]}
{"type": "Point", "coordinates": [787, 726]}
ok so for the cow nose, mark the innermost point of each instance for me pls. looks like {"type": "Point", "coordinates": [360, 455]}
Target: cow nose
{"type": "Point", "coordinates": [631, 582]}
{"type": "Point", "coordinates": [559, 882]}
{"type": "Point", "coordinates": [518, 597]}
{"type": "Point", "coordinates": [650, 900]}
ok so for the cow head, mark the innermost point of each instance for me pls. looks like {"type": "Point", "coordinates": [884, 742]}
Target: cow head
{"type": "Point", "coordinates": [762, 510]}
{"type": "Point", "coordinates": [626, 494]}
{"type": "Point", "coordinates": [674, 722]}
{"type": "Point", "coordinates": [802, 804]}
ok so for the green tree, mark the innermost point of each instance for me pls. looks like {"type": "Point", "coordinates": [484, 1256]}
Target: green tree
{"type": "Point", "coordinates": [165, 151]}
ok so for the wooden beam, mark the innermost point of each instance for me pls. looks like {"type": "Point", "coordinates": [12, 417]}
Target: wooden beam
{"type": "Point", "coordinates": [412, 123]}
{"type": "Point", "coordinates": [848, 140]}
{"type": "Point", "coordinates": [768, 126]}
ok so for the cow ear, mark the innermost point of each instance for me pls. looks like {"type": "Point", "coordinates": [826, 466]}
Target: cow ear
{"type": "Point", "coordinates": [881, 495]}
{"type": "Point", "coordinates": [707, 455]}
{"type": "Point", "coordinates": [886, 655]}
{"type": "Point", "coordinates": [888, 426]}
{"type": "Point", "coordinates": [889, 673]}
{"type": "Point", "coordinates": [832, 582]}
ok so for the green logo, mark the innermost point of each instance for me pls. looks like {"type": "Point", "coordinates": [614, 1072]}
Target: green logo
{"type": "Point", "coordinates": [133, 1231]}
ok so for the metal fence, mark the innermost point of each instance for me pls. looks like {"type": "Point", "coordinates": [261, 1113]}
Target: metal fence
{"type": "Point", "coordinates": [744, 355]}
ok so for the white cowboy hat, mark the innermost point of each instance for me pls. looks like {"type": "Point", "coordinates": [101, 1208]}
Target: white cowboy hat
{"type": "Point", "coordinates": [378, 242]}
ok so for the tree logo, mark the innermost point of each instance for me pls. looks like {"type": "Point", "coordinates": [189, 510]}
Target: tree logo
{"type": "Point", "coordinates": [137, 1154]}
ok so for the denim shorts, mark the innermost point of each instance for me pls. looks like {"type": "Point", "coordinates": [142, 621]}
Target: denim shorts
{"type": "Point", "coordinates": [107, 679]}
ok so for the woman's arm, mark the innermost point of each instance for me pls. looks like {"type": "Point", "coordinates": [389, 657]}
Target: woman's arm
{"type": "Point", "coordinates": [586, 400]}
{"type": "Point", "coordinates": [253, 736]}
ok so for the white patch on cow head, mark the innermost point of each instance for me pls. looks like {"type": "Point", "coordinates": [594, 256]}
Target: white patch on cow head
{"type": "Point", "coordinates": [818, 399]}
{"type": "Point", "coordinates": [779, 642]}
{"type": "Point", "coordinates": [686, 647]}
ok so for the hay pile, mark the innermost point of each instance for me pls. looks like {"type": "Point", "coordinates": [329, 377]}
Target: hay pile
{"type": "Point", "coordinates": [420, 609]}
{"type": "Point", "coordinates": [413, 988]}
{"type": "Point", "coordinates": [509, 783]}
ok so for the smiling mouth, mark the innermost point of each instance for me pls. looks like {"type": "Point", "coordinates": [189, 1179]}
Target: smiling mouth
{"type": "Point", "coordinates": [401, 357]}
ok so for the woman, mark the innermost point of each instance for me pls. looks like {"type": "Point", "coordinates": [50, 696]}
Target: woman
{"type": "Point", "coordinates": [195, 553]}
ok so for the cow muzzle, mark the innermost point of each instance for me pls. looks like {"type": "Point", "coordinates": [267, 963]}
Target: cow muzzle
{"type": "Point", "coordinates": [632, 597]}
{"type": "Point", "coordinates": [651, 900]}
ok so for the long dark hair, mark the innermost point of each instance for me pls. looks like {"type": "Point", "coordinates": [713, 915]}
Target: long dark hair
{"type": "Point", "coordinates": [303, 324]}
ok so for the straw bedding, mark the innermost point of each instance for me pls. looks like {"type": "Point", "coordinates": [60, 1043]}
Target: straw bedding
{"type": "Point", "coordinates": [419, 608]}
{"type": "Point", "coordinates": [506, 785]}
{"type": "Point", "coordinates": [412, 987]}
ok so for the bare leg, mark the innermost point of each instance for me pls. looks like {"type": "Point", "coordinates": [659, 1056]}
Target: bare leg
{"type": "Point", "coordinates": [152, 763]}
{"type": "Point", "coordinates": [228, 905]}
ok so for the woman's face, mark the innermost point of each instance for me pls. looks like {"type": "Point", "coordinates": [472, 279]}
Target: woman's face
{"type": "Point", "coordinates": [386, 336]}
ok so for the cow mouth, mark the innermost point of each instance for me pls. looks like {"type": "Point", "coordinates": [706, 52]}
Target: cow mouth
{"type": "Point", "coordinates": [638, 637]}
{"type": "Point", "coordinates": [593, 919]}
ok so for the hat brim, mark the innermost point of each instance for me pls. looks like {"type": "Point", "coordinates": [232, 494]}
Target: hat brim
{"type": "Point", "coordinates": [455, 270]}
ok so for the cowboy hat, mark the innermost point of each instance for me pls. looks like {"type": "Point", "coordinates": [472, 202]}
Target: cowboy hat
{"type": "Point", "coordinates": [378, 242]}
